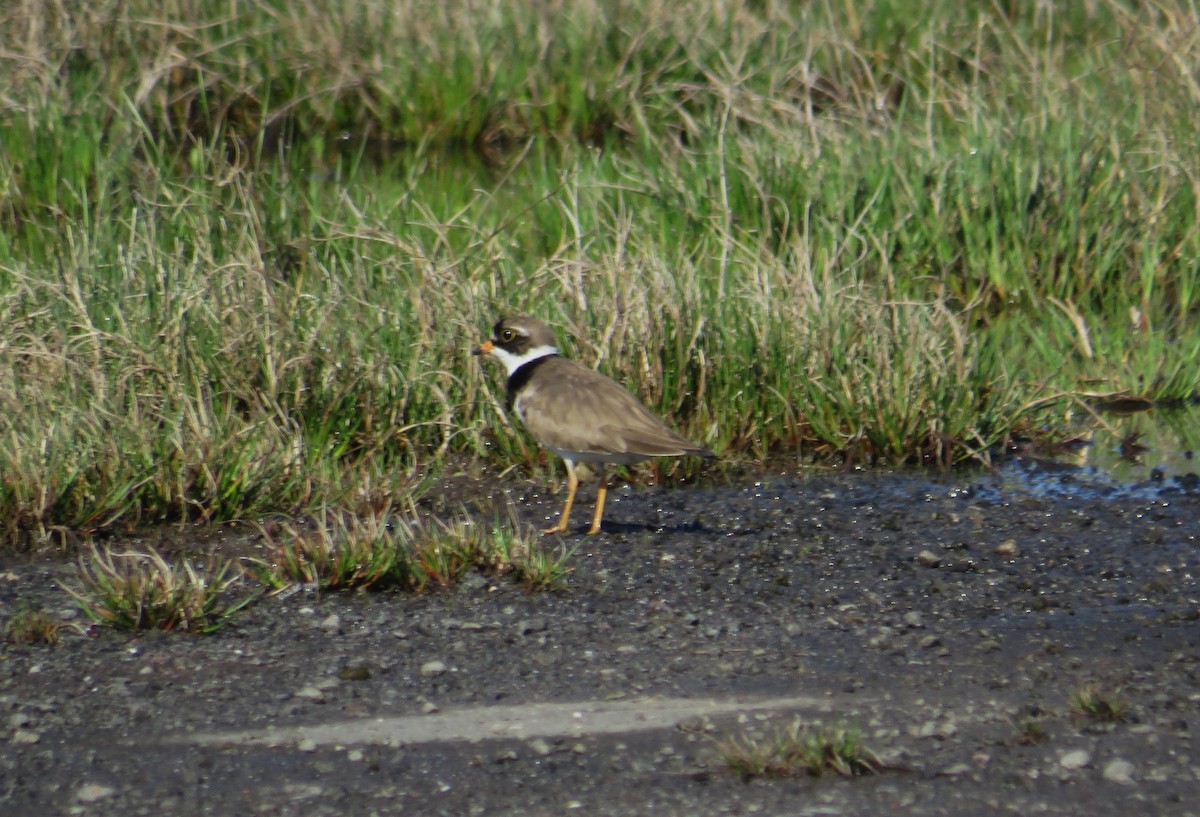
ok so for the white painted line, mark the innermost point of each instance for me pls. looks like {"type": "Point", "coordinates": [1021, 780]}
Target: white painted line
{"type": "Point", "coordinates": [571, 719]}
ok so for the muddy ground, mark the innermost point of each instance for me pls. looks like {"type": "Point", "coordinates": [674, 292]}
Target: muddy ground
{"type": "Point", "coordinates": [949, 620]}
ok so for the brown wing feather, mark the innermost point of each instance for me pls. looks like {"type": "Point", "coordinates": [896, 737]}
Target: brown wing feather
{"type": "Point", "coordinates": [589, 413]}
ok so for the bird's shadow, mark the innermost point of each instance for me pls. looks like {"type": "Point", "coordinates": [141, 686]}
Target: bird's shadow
{"type": "Point", "coordinates": [609, 526]}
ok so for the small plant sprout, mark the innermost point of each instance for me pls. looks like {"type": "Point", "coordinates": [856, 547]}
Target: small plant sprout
{"type": "Point", "coordinates": [539, 567]}
{"type": "Point", "coordinates": [1031, 730]}
{"type": "Point", "coordinates": [33, 625]}
{"type": "Point", "coordinates": [1099, 703]}
{"type": "Point", "coordinates": [142, 590]}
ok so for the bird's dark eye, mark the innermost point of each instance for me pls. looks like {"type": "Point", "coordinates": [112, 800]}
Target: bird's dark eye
{"type": "Point", "coordinates": [507, 334]}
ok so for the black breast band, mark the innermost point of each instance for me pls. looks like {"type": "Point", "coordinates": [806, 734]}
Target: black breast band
{"type": "Point", "coordinates": [518, 379]}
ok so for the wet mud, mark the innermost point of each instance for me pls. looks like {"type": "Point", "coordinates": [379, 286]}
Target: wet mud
{"type": "Point", "coordinates": [952, 620]}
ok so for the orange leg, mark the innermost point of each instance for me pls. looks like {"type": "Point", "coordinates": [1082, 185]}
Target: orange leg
{"type": "Point", "coordinates": [601, 493]}
{"type": "Point", "coordinates": [564, 519]}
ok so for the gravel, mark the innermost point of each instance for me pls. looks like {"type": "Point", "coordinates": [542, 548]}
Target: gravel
{"type": "Point", "coordinates": [949, 621]}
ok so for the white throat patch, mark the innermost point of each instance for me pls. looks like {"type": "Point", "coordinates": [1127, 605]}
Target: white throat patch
{"type": "Point", "coordinates": [513, 362]}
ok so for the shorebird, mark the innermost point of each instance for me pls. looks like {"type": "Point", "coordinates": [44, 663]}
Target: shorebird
{"type": "Point", "coordinates": [578, 413]}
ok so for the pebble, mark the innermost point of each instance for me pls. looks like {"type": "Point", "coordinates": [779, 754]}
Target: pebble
{"type": "Point", "coordinates": [433, 668]}
{"type": "Point", "coordinates": [937, 729]}
{"type": "Point", "coordinates": [913, 619]}
{"type": "Point", "coordinates": [1008, 549]}
{"type": "Point", "coordinates": [1119, 771]}
{"type": "Point", "coordinates": [307, 745]}
{"type": "Point", "coordinates": [25, 736]}
{"type": "Point", "coordinates": [1075, 759]}
{"type": "Point", "coordinates": [540, 746]}
{"type": "Point", "coordinates": [91, 792]}
{"type": "Point", "coordinates": [927, 558]}
{"type": "Point", "coordinates": [331, 623]}
{"type": "Point", "coordinates": [531, 625]}
{"type": "Point", "coordinates": [309, 693]}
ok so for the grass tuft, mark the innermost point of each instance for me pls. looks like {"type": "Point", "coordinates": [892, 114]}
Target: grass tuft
{"type": "Point", "coordinates": [140, 591]}
{"type": "Point", "coordinates": [797, 750]}
{"type": "Point", "coordinates": [509, 548]}
{"type": "Point", "coordinates": [33, 625]}
{"type": "Point", "coordinates": [1097, 702]}
{"type": "Point", "coordinates": [351, 551]}
{"type": "Point", "coordinates": [381, 551]}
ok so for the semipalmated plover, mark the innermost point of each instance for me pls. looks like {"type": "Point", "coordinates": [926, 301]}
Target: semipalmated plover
{"type": "Point", "coordinates": [578, 413]}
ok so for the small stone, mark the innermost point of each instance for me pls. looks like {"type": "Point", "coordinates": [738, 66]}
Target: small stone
{"type": "Point", "coordinates": [307, 745]}
{"type": "Point", "coordinates": [540, 746]}
{"type": "Point", "coordinates": [433, 668]}
{"type": "Point", "coordinates": [1119, 771]}
{"type": "Point", "coordinates": [331, 623]}
{"type": "Point", "coordinates": [91, 792]}
{"type": "Point", "coordinates": [1075, 759]}
{"type": "Point", "coordinates": [25, 736]}
{"type": "Point", "coordinates": [955, 770]}
{"type": "Point", "coordinates": [927, 558]}
{"type": "Point", "coordinates": [696, 723]}
{"type": "Point", "coordinates": [531, 625]}
{"type": "Point", "coordinates": [20, 720]}
{"type": "Point", "coordinates": [355, 755]}
{"type": "Point", "coordinates": [309, 693]}
{"type": "Point", "coordinates": [1008, 549]}
{"type": "Point", "coordinates": [913, 619]}
{"type": "Point", "coordinates": [429, 708]}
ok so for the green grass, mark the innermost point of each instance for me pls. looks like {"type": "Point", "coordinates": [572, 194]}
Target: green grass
{"type": "Point", "coordinates": [798, 750]}
{"type": "Point", "coordinates": [382, 551]}
{"type": "Point", "coordinates": [1098, 702]}
{"type": "Point", "coordinates": [142, 590]}
{"type": "Point", "coordinates": [244, 251]}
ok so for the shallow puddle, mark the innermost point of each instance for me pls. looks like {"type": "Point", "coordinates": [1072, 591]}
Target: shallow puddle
{"type": "Point", "coordinates": [1140, 445]}
{"type": "Point", "coordinates": [1131, 455]}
